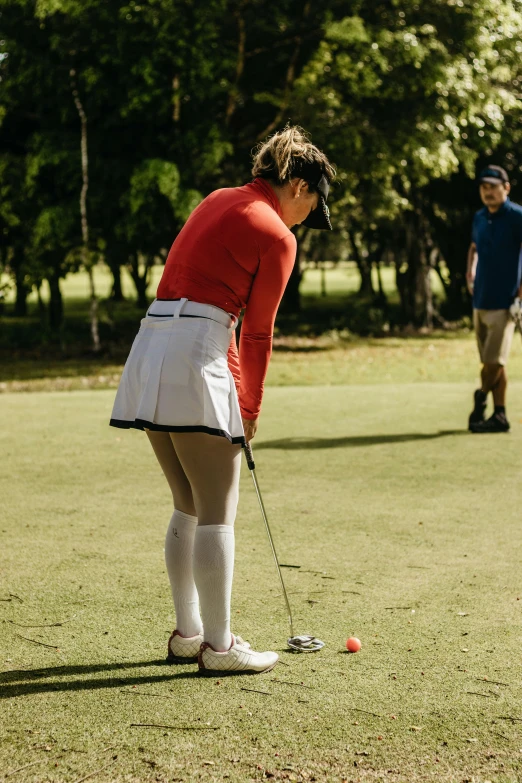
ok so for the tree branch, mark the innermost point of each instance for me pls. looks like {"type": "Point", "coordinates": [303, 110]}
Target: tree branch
{"type": "Point", "coordinates": [316, 33]}
{"type": "Point", "coordinates": [240, 64]}
{"type": "Point", "coordinates": [289, 80]}
{"type": "Point", "coordinates": [176, 100]}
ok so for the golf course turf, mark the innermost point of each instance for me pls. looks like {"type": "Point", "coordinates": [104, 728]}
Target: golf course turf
{"type": "Point", "coordinates": [406, 531]}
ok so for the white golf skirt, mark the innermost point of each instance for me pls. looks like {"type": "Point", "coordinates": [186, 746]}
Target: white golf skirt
{"type": "Point", "coordinates": [176, 378]}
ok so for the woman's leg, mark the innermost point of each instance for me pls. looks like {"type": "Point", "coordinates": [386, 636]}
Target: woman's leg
{"type": "Point", "coordinates": [179, 540]}
{"type": "Point", "coordinates": [212, 465]}
{"type": "Point", "coordinates": [174, 473]}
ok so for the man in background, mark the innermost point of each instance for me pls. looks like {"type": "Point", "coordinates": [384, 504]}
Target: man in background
{"type": "Point", "coordinates": [493, 276]}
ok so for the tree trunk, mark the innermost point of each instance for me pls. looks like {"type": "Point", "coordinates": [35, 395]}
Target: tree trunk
{"type": "Point", "coordinates": [414, 274]}
{"type": "Point", "coordinates": [454, 252]}
{"type": "Point", "coordinates": [382, 299]}
{"type": "Point", "coordinates": [428, 292]}
{"type": "Point", "coordinates": [289, 80]}
{"type": "Point", "coordinates": [400, 282]}
{"type": "Point", "coordinates": [240, 63]}
{"type": "Point", "coordinates": [113, 255]}
{"type": "Point", "coordinates": [87, 261]}
{"type": "Point", "coordinates": [117, 291]}
{"type": "Point", "coordinates": [176, 100]}
{"type": "Point", "coordinates": [42, 310]}
{"type": "Point", "coordinates": [364, 266]}
{"type": "Point", "coordinates": [93, 312]}
{"type": "Point", "coordinates": [141, 281]}
{"type": "Point", "coordinates": [55, 303]}
{"type": "Point", "coordinates": [22, 292]}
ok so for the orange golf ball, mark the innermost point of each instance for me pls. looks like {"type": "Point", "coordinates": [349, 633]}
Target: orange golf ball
{"type": "Point", "coordinates": [353, 644]}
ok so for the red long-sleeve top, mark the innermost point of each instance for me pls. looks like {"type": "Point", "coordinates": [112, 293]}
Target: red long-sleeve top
{"type": "Point", "coordinates": [236, 253]}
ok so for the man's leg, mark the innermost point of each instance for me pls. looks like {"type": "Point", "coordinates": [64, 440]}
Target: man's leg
{"type": "Point", "coordinates": [499, 389]}
{"type": "Point", "coordinates": [494, 353]}
{"type": "Point", "coordinates": [480, 395]}
{"type": "Point", "coordinates": [490, 377]}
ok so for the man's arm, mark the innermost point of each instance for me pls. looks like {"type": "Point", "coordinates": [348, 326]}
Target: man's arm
{"type": "Point", "coordinates": [471, 268]}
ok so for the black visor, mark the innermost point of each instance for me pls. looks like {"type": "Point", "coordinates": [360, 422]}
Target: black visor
{"type": "Point", "coordinates": [493, 174]}
{"type": "Point", "coordinates": [320, 216]}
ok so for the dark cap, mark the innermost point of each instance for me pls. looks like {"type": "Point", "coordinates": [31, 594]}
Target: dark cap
{"type": "Point", "coordinates": [493, 174]}
{"type": "Point", "coordinates": [320, 216]}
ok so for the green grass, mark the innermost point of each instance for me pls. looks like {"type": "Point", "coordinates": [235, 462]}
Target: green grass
{"type": "Point", "coordinates": [299, 361]}
{"type": "Point", "coordinates": [343, 279]}
{"type": "Point", "coordinates": [407, 531]}
{"type": "Point", "coordinates": [35, 348]}
{"type": "Point", "coordinates": [340, 279]}
{"type": "Point", "coordinates": [76, 286]}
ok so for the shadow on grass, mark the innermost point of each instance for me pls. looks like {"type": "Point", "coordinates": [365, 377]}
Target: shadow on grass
{"type": "Point", "coordinates": [289, 348]}
{"type": "Point", "coordinates": [25, 682]}
{"type": "Point", "coordinates": [294, 444]}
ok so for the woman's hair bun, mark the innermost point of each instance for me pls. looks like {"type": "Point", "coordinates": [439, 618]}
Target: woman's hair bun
{"type": "Point", "coordinates": [290, 153]}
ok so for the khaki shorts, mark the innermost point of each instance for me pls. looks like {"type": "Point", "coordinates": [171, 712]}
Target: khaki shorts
{"type": "Point", "coordinates": [494, 330]}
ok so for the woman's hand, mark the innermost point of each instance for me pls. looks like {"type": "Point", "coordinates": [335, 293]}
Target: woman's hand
{"type": "Point", "coordinates": [250, 428]}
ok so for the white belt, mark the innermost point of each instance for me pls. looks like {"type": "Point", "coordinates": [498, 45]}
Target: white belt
{"type": "Point", "coordinates": [182, 308]}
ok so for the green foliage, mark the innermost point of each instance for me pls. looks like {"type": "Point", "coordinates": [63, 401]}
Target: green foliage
{"type": "Point", "coordinates": [402, 96]}
{"type": "Point", "coordinates": [406, 98]}
{"type": "Point", "coordinates": [399, 99]}
{"type": "Point", "coordinates": [8, 190]}
{"type": "Point", "coordinates": [52, 229]}
{"type": "Point", "coordinates": [151, 174]}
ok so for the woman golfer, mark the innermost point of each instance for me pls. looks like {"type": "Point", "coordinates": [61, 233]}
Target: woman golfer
{"type": "Point", "coordinates": [197, 399]}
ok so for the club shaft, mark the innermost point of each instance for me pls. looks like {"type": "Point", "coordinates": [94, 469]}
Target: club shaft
{"type": "Point", "coordinates": [265, 519]}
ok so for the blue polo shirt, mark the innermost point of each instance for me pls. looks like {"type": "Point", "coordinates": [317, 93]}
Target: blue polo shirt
{"type": "Point", "coordinates": [498, 236]}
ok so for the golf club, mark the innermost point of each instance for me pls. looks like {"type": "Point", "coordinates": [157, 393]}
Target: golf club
{"type": "Point", "coordinates": [305, 642]}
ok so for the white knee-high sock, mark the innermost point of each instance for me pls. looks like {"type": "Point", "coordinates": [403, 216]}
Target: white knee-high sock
{"type": "Point", "coordinates": [179, 551]}
{"type": "Point", "coordinates": [213, 573]}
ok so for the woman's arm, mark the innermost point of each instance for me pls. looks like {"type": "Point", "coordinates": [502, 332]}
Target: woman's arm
{"type": "Point", "coordinates": [233, 361]}
{"type": "Point", "coordinates": [255, 345]}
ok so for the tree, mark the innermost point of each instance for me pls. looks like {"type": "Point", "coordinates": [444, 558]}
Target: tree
{"type": "Point", "coordinates": [38, 148]}
{"type": "Point", "coordinates": [404, 96]}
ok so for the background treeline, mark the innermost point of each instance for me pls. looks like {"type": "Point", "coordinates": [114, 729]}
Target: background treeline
{"type": "Point", "coordinates": [117, 118]}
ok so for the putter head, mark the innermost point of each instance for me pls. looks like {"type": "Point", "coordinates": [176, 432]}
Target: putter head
{"type": "Point", "coordinates": [305, 643]}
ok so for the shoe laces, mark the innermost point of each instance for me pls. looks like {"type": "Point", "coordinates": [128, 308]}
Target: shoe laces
{"type": "Point", "coordinates": [242, 642]}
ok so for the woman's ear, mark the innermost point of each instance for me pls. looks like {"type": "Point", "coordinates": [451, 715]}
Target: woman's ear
{"type": "Point", "coordinates": [302, 187]}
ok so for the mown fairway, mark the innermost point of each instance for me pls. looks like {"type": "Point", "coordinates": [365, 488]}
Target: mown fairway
{"type": "Point", "coordinates": [407, 533]}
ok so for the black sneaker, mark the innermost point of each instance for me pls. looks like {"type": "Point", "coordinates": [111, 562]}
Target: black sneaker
{"type": "Point", "coordinates": [477, 414]}
{"type": "Point", "coordinates": [495, 423]}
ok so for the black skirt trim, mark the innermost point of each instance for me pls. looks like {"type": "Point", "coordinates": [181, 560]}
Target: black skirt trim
{"type": "Point", "coordinates": [141, 424]}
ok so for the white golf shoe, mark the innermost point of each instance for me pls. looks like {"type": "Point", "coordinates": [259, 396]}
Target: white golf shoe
{"type": "Point", "coordinates": [240, 659]}
{"type": "Point", "coordinates": [184, 649]}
